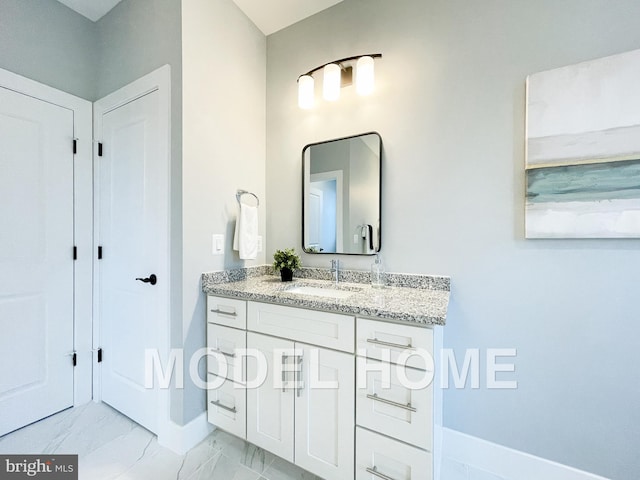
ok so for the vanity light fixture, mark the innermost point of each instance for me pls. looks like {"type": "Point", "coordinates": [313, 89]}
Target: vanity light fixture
{"type": "Point", "coordinates": [305, 92]}
{"type": "Point", "coordinates": [337, 74]}
{"type": "Point", "coordinates": [331, 82]}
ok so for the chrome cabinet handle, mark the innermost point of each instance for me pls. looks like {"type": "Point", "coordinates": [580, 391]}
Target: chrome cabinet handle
{"type": "Point", "coordinates": [222, 312]}
{"type": "Point", "coordinates": [218, 404]}
{"type": "Point", "coordinates": [299, 383]}
{"type": "Point", "coordinates": [374, 471]}
{"type": "Point", "coordinates": [375, 341]}
{"type": "Point", "coordinates": [217, 350]}
{"type": "Point", "coordinates": [391, 402]}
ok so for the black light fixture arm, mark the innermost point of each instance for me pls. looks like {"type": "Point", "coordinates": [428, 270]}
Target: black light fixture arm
{"type": "Point", "coordinates": [372, 55]}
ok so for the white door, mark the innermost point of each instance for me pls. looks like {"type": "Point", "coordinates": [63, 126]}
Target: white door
{"type": "Point", "coordinates": [132, 213]}
{"type": "Point", "coordinates": [324, 413]}
{"type": "Point", "coordinates": [270, 406]}
{"type": "Point", "coordinates": [36, 259]}
{"type": "Point", "coordinates": [314, 219]}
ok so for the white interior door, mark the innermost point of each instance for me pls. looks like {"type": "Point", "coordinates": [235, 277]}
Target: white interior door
{"type": "Point", "coordinates": [132, 231]}
{"type": "Point", "coordinates": [314, 219]}
{"type": "Point", "coordinates": [36, 259]}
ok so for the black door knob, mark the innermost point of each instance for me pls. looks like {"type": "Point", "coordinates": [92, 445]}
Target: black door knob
{"type": "Point", "coordinates": [152, 279]}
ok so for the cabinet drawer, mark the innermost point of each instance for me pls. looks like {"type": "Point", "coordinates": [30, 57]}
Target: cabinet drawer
{"type": "Point", "coordinates": [387, 341]}
{"type": "Point", "coordinates": [227, 406]}
{"type": "Point", "coordinates": [382, 458]}
{"type": "Point", "coordinates": [225, 342]}
{"type": "Point", "coordinates": [227, 311]}
{"type": "Point", "coordinates": [324, 329]}
{"type": "Point", "coordinates": [395, 409]}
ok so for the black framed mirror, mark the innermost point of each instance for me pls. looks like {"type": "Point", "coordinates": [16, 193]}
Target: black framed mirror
{"type": "Point", "coordinates": [341, 195]}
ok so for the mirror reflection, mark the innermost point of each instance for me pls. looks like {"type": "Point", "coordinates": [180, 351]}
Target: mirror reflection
{"type": "Point", "coordinates": [341, 195]}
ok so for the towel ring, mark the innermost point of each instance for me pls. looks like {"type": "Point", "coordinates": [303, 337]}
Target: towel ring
{"type": "Point", "coordinates": [246, 192]}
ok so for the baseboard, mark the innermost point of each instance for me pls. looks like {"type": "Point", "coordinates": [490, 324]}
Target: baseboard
{"type": "Point", "coordinates": [465, 455]}
{"type": "Point", "coordinates": [181, 439]}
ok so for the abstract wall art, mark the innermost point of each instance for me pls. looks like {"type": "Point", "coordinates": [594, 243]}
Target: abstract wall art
{"type": "Point", "coordinates": [582, 161]}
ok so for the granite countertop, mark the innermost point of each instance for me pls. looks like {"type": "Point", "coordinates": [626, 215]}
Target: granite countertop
{"type": "Point", "coordinates": [418, 299]}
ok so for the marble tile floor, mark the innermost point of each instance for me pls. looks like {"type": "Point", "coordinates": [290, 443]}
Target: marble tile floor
{"type": "Point", "coordinates": [110, 446]}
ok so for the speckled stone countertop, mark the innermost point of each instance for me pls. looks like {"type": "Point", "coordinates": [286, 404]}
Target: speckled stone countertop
{"type": "Point", "coordinates": [419, 299]}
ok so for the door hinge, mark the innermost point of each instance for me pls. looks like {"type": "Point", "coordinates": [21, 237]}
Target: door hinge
{"type": "Point", "coordinates": [99, 355]}
{"type": "Point", "coordinates": [99, 252]}
{"type": "Point", "coordinates": [75, 146]}
{"type": "Point", "coordinates": [75, 358]}
{"type": "Point", "coordinates": [75, 252]}
{"type": "Point", "coordinates": [99, 149]}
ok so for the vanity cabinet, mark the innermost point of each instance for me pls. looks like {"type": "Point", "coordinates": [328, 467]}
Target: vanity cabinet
{"type": "Point", "coordinates": [226, 403]}
{"type": "Point", "coordinates": [394, 407]}
{"type": "Point", "coordinates": [303, 408]}
{"type": "Point", "coordinates": [304, 411]}
{"type": "Point", "coordinates": [303, 393]}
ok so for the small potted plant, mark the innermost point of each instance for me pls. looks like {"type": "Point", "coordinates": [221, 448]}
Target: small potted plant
{"type": "Point", "coordinates": [286, 261]}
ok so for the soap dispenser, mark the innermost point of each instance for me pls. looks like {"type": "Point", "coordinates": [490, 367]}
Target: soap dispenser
{"type": "Point", "coordinates": [378, 277]}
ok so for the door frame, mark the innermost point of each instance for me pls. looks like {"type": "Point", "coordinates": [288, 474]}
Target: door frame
{"type": "Point", "coordinates": [159, 80]}
{"type": "Point", "coordinates": [83, 220]}
{"type": "Point", "coordinates": [336, 175]}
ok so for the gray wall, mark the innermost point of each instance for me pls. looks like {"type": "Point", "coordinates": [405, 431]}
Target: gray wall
{"type": "Point", "coordinates": [45, 41]}
{"type": "Point", "coordinates": [224, 73]}
{"type": "Point", "coordinates": [133, 39]}
{"type": "Point", "coordinates": [449, 105]}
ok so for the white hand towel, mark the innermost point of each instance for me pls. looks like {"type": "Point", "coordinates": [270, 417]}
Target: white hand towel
{"type": "Point", "coordinates": [245, 239]}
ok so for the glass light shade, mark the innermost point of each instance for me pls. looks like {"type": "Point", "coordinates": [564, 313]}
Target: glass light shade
{"type": "Point", "coordinates": [365, 78]}
{"type": "Point", "coordinates": [331, 82]}
{"type": "Point", "coordinates": [305, 92]}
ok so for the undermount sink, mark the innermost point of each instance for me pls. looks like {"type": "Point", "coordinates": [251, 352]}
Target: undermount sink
{"type": "Point", "coordinates": [320, 291]}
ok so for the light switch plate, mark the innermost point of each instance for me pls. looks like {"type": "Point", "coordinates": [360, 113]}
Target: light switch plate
{"type": "Point", "coordinates": [217, 244]}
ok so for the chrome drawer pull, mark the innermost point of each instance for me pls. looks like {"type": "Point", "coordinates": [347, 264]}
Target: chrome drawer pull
{"type": "Point", "coordinates": [299, 382]}
{"type": "Point", "coordinates": [217, 350]}
{"type": "Point", "coordinates": [283, 361]}
{"type": "Point", "coordinates": [391, 402]}
{"type": "Point", "coordinates": [226, 378]}
{"type": "Point", "coordinates": [375, 341]}
{"type": "Point", "coordinates": [374, 471]}
{"type": "Point", "coordinates": [222, 312]}
{"type": "Point", "coordinates": [218, 404]}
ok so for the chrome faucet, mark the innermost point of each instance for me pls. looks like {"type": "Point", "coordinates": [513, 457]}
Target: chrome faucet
{"type": "Point", "coordinates": [335, 268]}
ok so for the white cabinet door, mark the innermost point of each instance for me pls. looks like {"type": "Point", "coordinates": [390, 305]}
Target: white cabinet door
{"type": "Point", "coordinates": [226, 396]}
{"type": "Point", "coordinates": [390, 402]}
{"type": "Point", "coordinates": [227, 405]}
{"type": "Point", "coordinates": [324, 413]}
{"type": "Point", "coordinates": [379, 457]}
{"type": "Point", "coordinates": [270, 406]}
{"type": "Point", "coordinates": [227, 311]}
{"type": "Point", "coordinates": [224, 348]}
{"type": "Point", "coordinates": [393, 341]}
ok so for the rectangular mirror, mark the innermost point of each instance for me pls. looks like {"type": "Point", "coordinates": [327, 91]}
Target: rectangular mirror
{"type": "Point", "coordinates": [341, 195]}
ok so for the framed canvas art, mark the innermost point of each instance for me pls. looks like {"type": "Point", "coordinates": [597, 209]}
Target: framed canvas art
{"type": "Point", "coordinates": [582, 161]}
